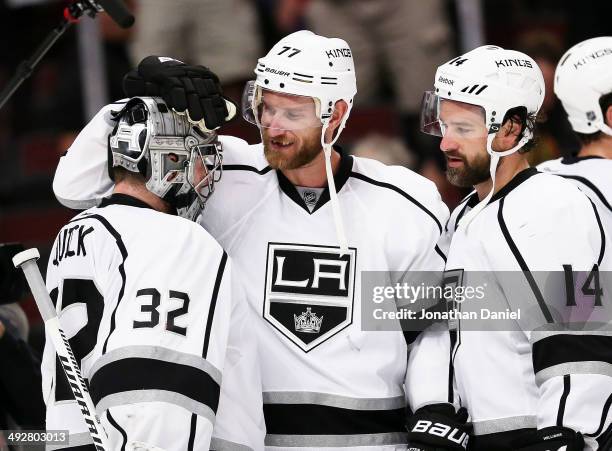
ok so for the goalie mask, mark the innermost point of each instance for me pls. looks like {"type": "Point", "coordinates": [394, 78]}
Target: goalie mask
{"type": "Point", "coordinates": [178, 161]}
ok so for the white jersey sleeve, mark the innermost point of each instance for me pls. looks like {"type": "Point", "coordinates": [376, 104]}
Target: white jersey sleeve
{"type": "Point", "coordinates": [427, 374]}
{"type": "Point", "coordinates": [562, 229]}
{"type": "Point", "coordinates": [240, 422]}
{"type": "Point", "coordinates": [150, 326]}
{"type": "Point", "coordinates": [81, 179]}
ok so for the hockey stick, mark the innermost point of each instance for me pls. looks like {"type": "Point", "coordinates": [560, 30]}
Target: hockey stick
{"type": "Point", "coordinates": [26, 260]}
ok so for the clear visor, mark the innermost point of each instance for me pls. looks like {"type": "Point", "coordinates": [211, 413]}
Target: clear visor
{"type": "Point", "coordinates": [281, 111]}
{"type": "Point", "coordinates": [450, 118]}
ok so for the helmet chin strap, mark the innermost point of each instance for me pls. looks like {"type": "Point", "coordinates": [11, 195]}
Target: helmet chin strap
{"type": "Point", "coordinates": [605, 128]}
{"type": "Point", "coordinates": [495, 157]}
{"type": "Point", "coordinates": [333, 196]}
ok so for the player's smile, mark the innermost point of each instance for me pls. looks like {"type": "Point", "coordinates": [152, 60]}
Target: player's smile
{"type": "Point", "coordinates": [281, 143]}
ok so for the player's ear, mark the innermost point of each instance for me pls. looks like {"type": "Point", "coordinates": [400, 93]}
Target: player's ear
{"type": "Point", "coordinates": [509, 134]}
{"type": "Point", "coordinates": [608, 116]}
{"type": "Point", "coordinates": [340, 109]}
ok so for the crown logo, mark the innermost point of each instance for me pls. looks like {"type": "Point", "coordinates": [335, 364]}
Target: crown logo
{"type": "Point", "coordinates": [308, 322]}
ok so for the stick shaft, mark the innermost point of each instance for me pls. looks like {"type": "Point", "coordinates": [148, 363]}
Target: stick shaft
{"type": "Point", "coordinates": [65, 354]}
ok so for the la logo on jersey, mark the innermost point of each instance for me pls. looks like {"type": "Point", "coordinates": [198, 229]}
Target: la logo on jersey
{"type": "Point", "coordinates": [309, 292]}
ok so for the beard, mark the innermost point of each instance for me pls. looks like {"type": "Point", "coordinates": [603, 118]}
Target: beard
{"type": "Point", "coordinates": [471, 173]}
{"type": "Point", "coordinates": [295, 157]}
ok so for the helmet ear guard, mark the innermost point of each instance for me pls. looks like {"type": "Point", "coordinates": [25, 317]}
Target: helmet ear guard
{"type": "Point", "coordinates": [165, 148]}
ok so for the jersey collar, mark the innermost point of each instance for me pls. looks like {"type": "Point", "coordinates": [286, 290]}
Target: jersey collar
{"type": "Point", "coordinates": [516, 181]}
{"type": "Point", "coordinates": [340, 178]}
{"type": "Point", "coordinates": [575, 159]}
{"type": "Point", "coordinates": [123, 199]}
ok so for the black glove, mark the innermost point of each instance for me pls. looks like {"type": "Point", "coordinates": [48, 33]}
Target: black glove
{"type": "Point", "coordinates": [194, 90]}
{"type": "Point", "coordinates": [550, 439]}
{"type": "Point", "coordinates": [437, 427]}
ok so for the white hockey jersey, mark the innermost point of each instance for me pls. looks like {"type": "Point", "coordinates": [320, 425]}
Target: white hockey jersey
{"type": "Point", "coordinates": [327, 383]}
{"type": "Point", "coordinates": [160, 330]}
{"type": "Point", "coordinates": [522, 377]}
{"type": "Point", "coordinates": [591, 174]}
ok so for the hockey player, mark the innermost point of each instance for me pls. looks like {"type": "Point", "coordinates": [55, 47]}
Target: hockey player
{"type": "Point", "coordinates": [533, 389]}
{"type": "Point", "coordinates": [147, 300]}
{"type": "Point", "coordinates": [583, 83]}
{"type": "Point", "coordinates": [302, 221]}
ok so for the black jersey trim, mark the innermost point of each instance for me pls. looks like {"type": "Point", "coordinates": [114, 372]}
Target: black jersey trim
{"type": "Point", "coordinates": [521, 261]}
{"type": "Point", "coordinates": [440, 253]}
{"type": "Point", "coordinates": [575, 159]}
{"type": "Point", "coordinates": [316, 419]}
{"type": "Point", "coordinates": [454, 342]}
{"type": "Point", "coordinates": [604, 417]}
{"type": "Point", "coordinates": [140, 374]}
{"type": "Point", "coordinates": [340, 177]}
{"type": "Point", "coordinates": [124, 254]}
{"type": "Point", "coordinates": [567, 386]}
{"type": "Point", "coordinates": [566, 348]}
{"type": "Point", "coordinates": [192, 431]}
{"type": "Point", "coordinates": [123, 199]}
{"type": "Point", "coordinates": [244, 167]}
{"type": "Point", "coordinates": [498, 441]}
{"type": "Point", "coordinates": [213, 303]}
{"type": "Point", "coordinates": [605, 439]}
{"type": "Point", "coordinates": [517, 180]}
{"type": "Point", "coordinates": [402, 193]}
{"type": "Point", "coordinates": [472, 201]}
{"type": "Point", "coordinates": [602, 249]}
{"type": "Point", "coordinates": [591, 186]}
{"type": "Point", "coordinates": [114, 423]}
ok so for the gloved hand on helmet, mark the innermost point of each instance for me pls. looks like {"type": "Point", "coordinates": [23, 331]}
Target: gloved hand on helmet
{"type": "Point", "coordinates": [191, 90]}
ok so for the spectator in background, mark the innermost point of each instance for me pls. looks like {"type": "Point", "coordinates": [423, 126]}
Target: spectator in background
{"type": "Point", "coordinates": [216, 33]}
{"type": "Point", "coordinates": [395, 151]}
{"type": "Point", "coordinates": [555, 136]}
{"type": "Point", "coordinates": [403, 39]}
{"type": "Point", "coordinates": [21, 403]}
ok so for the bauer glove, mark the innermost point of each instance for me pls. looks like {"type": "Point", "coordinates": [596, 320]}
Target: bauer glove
{"type": "Point", "coordinates": [552, 438]}
{"type": "Point", "coordinates": [437, 427]}
{"type": "Point", "coordinates": [191, 90]}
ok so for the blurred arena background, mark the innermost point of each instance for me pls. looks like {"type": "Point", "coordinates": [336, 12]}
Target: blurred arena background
{"type": "Point", "coordinates": [397, 45]}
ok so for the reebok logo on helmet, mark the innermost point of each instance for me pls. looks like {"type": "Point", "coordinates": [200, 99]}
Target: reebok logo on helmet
{"type": "Point", "coordinates": [445, 80]}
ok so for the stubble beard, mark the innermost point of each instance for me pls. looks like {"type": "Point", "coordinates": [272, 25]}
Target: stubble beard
{"type": "Point", "coordinates": [470, 174]}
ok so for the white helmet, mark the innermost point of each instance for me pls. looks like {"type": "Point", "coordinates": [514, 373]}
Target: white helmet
{"type": "Point", "coordinates": [165, 147]}
{"type": "Point", "coordinates": [583, 75]}
{"type": "Point", "coordinates": [493, 78]}
{"type": "Point", "coordinates": [305, 64]}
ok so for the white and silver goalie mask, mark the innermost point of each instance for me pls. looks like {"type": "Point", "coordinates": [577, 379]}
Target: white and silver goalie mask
{"type": "Point", "coordinates": [180, 163]}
